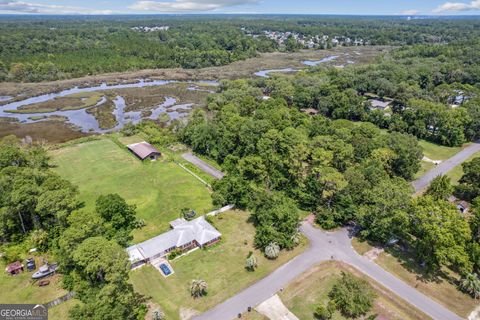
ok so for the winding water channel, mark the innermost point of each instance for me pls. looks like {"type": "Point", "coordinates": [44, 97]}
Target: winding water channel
{"type": "Point", "coordinates": [86, 122]}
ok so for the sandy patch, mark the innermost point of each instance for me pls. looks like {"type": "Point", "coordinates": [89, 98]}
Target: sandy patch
{"type": "Point", "coordinates": [274, 309]}
{"type": "Point", "coordinates": [373, 253]}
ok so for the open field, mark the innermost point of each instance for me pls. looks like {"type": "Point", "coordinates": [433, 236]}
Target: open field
{"type": "Point", "coordinates": [71, 102]}
{"type": "Point", "coordinates": [305, 293]}
{"type": "Point", "coordinates": [159, 189]}
{"type": "Point", "coordinates": [236, 70]}
{"type": "Point", "coordinates": [443, 289]}
{"type": "Point", "coordinates": [222, 266]}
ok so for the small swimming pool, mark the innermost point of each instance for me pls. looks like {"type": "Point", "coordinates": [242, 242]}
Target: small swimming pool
{"type": "Point", "coordinates": [165, 269]}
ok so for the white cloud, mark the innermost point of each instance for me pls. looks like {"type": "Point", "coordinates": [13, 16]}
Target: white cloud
{"type": "Point", "coordinates": [458, 6]}
{"type": "Point", "coordinates": [410, 12]}
{"type": "Point", "coordinates": [14, 6]}
{"type": "Point", "coordinates": [187, 5]}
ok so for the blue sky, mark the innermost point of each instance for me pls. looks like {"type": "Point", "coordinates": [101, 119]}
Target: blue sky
{"type": "Point", "coordinates": [359, 7]}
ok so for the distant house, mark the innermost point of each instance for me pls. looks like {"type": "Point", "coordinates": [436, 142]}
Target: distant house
{"type": "Point", "coordinates": [462, 206]}
{"type": "Point", "coordinates": [144, 150]}
{"type": "Point", "coordinates": [379, 104]}
{"type": "Point", "coordinates": [185, 235]}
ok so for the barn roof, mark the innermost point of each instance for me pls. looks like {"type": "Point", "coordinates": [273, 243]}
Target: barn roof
{"type": "Point", "coordinates": [143, 149]}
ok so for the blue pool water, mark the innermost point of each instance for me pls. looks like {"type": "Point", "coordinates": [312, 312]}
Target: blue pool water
{"type": "Point", "coordinates": [165, 269]}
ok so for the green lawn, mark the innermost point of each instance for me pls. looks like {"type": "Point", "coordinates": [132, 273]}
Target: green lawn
{"type": "Point", "coordinates": [60, 312]}
{"type": "Point", "coordinates": [310, 289]}
{"type": "Point", "coordinates": [436, 151]}
{"type": "Point", "coordinates": [221, 266]}
{"type": "Point", "coordinates": [159, 189]}
{"type": "Point", "coordinates": [21, 289]}
{"type": "Point", "coordinates": [456, 173]}
{"type": "Point", "coordinates": [442, 289]}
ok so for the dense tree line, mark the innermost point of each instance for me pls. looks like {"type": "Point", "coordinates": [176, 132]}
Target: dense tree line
{"type": "Point", "coordinates": [39, 48]}
{"type": "Point", "coordinates": [422, 82]}
{"type": "Point", "coordinates": [280, 160]}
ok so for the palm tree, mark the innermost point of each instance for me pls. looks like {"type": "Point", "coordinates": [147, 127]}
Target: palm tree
{"type": "Point", "coordinates": [471, 285]}
{"type": "Point", "coordinates": [198, 288]}
{"type": "Point", "coordinates": [251, 263]}
{"type": "Point", "coordinates": [272, 250]}
{"type": "Point", "coordinates": [158, 314]}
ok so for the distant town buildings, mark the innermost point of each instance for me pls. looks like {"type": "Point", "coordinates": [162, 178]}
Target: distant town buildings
{"type": "Point", "coordinates": [310, 42]}
{"type": "Point", "coordinates": [150, 29]}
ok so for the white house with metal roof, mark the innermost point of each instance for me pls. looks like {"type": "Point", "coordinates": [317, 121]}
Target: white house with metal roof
{"type": "Point", "coordinates": [185, 235]}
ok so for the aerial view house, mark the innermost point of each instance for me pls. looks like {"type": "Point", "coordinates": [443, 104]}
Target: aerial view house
{"type": "Point", "coordinates": [144, 150]}
{"type": "Point", "coordinates": [379, 104]}
{"type": "Point", "coordinates": [185, 235]}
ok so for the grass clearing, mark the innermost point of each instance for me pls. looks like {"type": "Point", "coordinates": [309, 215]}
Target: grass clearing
{"type": "Point", "coordinates": [437, 152]}
{"type": "Point", "coordinates": [443, 289]}
{"type": "Point", "coordinates": [159, 189]}
{"type": "Point", "coordinates": [456, 173]}
{"type": "Point", "coordinates": [304, 294]}
{"type": "Point", "coordinates": [21, 289]}
{"type": "Point", "coordinates": [222, 266]}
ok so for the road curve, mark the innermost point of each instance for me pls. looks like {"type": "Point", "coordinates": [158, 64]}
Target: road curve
{"type": "Point", "coordinates": [323, 246]}
{"type": "Point", "coordinates": [447, 165]}
{"type": "Point", "coordinates": [202, 165]}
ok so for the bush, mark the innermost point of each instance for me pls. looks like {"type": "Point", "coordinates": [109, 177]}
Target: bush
{"type": "Point", "coordinates": [158, 314]}
{"type": "Point", "coordinates": [251, 263]}
{"type": "Point", "coordinates": [198, 288]}
{"type": "Point", "coordinates": [39, 239]}
{"type": "Point", "coordinates": [353, 296]}
{"type": "Point", "coordinates": [322, 313]}
{"type": "Point", "coordinates": [174, 253]}
{"type": "Point", "coordinates": [272, 250]}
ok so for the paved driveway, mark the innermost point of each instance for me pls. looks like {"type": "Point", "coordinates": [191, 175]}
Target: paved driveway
{"type": "Point", "coordinates": [202, 165]}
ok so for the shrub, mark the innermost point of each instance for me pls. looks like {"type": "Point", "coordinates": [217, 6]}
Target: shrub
{"type": "Point", "coordinates": [198, 288]}
{"type": "Point", "coordinates": [322, 313]}
{"type": "Point", "coordinates": [251, 263]}
{"type": "Point", "coordinates": [352, 296]}
{"type": "Point", "coordinates": [272, 250]}
{"type": "Point", "coordinates": [158, 314]}
{"type": "Point", "coordinates": [471, 285]}
{"type": "Point", "coordinates": [174, 253]}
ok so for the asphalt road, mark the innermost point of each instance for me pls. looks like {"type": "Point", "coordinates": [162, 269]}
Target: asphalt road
{"type": "Point", "coordinates": [447, 165]}
{"type": "Point", "coordinates": [202, 165]}
{"type": "Point", "coordinates": [324, 246]}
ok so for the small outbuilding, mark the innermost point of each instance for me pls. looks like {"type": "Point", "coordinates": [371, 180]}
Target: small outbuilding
{"type": "Point", "coordinates": [144, 150]}
{"type": "Point", "coordinates": [14, 268]}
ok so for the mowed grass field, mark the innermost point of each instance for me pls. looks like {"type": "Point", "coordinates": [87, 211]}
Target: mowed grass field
{"type": "Point", "coordinates": [159, 189]}
{"type": "Point", "coordinates": [222, 266]}
{"type": "Point", "coordinates": [306, 292]}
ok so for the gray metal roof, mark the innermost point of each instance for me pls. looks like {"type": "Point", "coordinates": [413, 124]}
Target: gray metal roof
{"type": "Point", "coordinates": [183, 233]}
{"type": "Point", "coordinates": [143, 149]}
